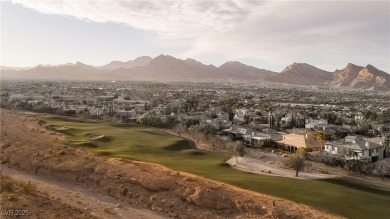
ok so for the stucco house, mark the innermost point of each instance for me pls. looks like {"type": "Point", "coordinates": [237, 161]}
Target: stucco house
{"type": "Point", "coordinates": [357, 147]}
{"type": "Point", "coordinates": [294, 141]}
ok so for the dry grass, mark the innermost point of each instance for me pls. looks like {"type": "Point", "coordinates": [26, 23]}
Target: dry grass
{"type": "Point", "coordinates": [24, 196]}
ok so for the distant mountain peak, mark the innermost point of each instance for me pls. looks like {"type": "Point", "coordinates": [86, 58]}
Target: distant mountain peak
{"type": "Point", "coordinates": [371, 67]}
{"type": "Point", "coordinates": [140, 61]}
{"type": "Point", "coordinates": [164, 57]}
{"type": "Point", "coordinates": [143, 58]}
{"type": "Point", "coordinates": [232, 63]}
{"type": "Point", "coordinates": [301, 74]}
{"type": "Point", "coordinates": [80, 63]}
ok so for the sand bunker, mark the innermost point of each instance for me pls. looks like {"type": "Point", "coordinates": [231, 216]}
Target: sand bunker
{"type": "Point", "coordinates": [96, 137]}
{"type": "Point", "coordinates": [60, 128]}
{"type": "Point", "coordinates": [79, 142]}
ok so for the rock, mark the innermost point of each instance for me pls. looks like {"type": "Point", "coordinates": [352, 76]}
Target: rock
{"type": "Point", "coordinates": [157, 209]}
{"type": "Point", "coordinates": [125, 191]}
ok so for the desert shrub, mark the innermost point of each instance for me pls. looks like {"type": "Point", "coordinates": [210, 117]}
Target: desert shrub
{"type": "Point", "coordinates": [5, 184]}
{"type": "Point", "coordinates": [358, 166]}
{"type": "Point", "coordinates": [61, 152]}
{"type": "Point", "coordinates": [303, 150]}
{"type": "Point", "coordinates": [327, 160]}
{"type": "Point", "coordinates": [28, 187]}
{"type": "Point", "coordinates": [11, 197]}
{"type": "Point", "coordinates": [41, 122]}
{"type": "Point", "coordinates": [47, 156]}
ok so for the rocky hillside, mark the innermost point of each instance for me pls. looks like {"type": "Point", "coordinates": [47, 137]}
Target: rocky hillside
{"type": "Point", "coordinates": [359, 77]}
{"type": "Point", "coordinates": [301, 74]}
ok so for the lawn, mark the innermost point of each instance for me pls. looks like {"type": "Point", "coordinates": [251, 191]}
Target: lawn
{"type": "Point", "coordinates": [337, 196]}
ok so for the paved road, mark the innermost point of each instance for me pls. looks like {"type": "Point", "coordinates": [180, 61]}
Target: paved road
{"type": "Point", "coordinates": [256, 166]}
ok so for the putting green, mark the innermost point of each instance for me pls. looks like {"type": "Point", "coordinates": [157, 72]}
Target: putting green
{"type": "Point", "coordinates": [336, 196]}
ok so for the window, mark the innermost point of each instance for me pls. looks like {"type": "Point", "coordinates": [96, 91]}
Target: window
{"type": "Point", "coordinates": [332, 148]}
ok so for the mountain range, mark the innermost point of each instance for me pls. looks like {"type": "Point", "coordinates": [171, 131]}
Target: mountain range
{"type": "Point", "coordinates": [168, 68]}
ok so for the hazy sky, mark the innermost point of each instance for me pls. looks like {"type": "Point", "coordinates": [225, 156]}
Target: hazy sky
{"type": "Point", "coordinates": [265, 34]}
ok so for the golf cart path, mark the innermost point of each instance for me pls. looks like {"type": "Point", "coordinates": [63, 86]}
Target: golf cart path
{"type": "Point", "coordinates": [95, 202]}
{"type": "Point", "coordinates": [257, 166]}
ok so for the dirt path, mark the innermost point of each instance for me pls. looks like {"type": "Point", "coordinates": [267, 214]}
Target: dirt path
{"type": "Point", "coordinates": [99, 205]}
{"type": "Point", "coordinates": [256, 166]}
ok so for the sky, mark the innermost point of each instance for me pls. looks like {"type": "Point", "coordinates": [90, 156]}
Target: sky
{"type": "Point", "coordinates": [264, 34]}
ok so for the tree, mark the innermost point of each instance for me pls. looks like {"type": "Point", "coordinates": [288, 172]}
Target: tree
{"type": "Point", "coordinates": [382, 169]}
{"type": "Point", "coordinates": [180, 129]}
{"type": "Point", "coordinates": [191, 122]}
{"type": "Point", "coordinates": [208, 129]}
{"type": "Point", "coordinates": [321, 138]}
{"type": "Point", "coordinates": [237, 149]}
{"type": "Point", "coordinates": [296, 162]}
{"type": "Point", "coordinates": [355, 165]}
{"type": "Point", "coordinates": [196, 133]}
{"type": "Point", "coordinates": [330, 116]}
{"type": "Point", "coordinates": [269, 143]}
{"type": "Point", "coordinates": [386, 146]}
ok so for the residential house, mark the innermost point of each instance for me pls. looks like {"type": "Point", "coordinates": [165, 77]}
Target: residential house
{"type": "Point", "coordinates": [16, 97]}
{"type": "Point", "coordinates": [294, 141]}
{"type": "Point", "coordinates": [382, 129]}
{"type": "Point", "coordinates": [217, 123]}
{"type": "Point", "coordinates": [95, 112]}
{"type": "Point", "coordinates": [125, 113]}
{"type": "Point", "coordinates": [357, 147]}
{"type": "Point", "coordinates": [238, 132]}
{"type": "Point", "coordinates": [312, 123]}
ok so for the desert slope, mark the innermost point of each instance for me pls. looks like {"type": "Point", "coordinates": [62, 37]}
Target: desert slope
{"type": "Point", "coordinates": [28, 147]}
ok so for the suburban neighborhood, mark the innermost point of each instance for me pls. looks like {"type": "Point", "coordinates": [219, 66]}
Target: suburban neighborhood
{"type": "Point", "coordinates": [312, 120]}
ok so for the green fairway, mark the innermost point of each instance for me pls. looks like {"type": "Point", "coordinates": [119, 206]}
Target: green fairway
{"type": "Point", "coordinates": [337, 196]}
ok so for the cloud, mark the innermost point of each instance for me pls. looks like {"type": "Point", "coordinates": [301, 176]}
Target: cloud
{"type": "Point", "coordinates": [165, 17]}
{"type": "Point", "coordinates": [270, 31]}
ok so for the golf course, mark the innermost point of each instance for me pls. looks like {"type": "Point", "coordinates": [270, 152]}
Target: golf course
{"type": "Point", "coordinates": [338, 196]}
